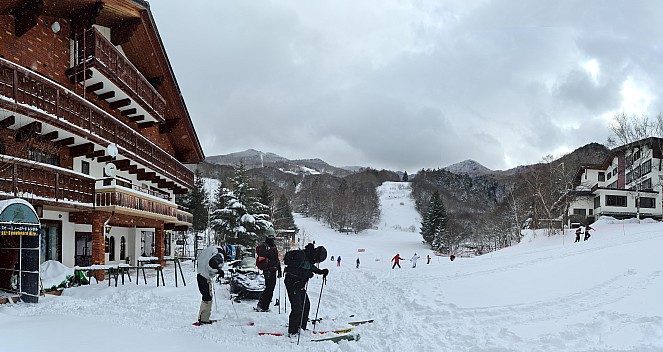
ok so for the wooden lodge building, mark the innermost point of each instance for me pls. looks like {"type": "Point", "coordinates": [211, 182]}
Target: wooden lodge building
{"type": "Point", "coordinates": [94, 132]}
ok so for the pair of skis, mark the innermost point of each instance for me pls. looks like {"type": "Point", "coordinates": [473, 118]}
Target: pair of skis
{"type": "Point", "coordinates": [338, 335]}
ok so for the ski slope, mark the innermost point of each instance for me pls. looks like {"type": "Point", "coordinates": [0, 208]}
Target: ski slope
{"type": "Point", "coordinates": [544, 294]}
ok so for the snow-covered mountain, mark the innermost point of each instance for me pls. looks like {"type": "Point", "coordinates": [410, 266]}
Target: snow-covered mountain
{"type": "Point", "coordinates": [253, 159]}
{"type": "Point", "coordinates": [469, 167]}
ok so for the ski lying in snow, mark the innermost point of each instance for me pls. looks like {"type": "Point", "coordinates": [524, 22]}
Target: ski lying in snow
{"type": "Point", "coordinates": [353, 323]}
{"type": "Point", "coordinates": [337, 332]}
{"type": "Point", "coordinates": [214, 321]}
{"type": "Point", "coordinates": [360, 322]}
{"type": "Point", "coordinates": [339, 338]}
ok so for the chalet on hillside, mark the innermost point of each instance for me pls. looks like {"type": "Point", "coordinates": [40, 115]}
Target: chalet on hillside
{"type": "Point", "coordinates": [627, 184]}
{"type": "Point", "coordinates": [94, 132]}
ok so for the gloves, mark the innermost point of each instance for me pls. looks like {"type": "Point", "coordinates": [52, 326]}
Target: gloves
{"type": "Point", "coordinates": [325, 272]}
{"type": "Point", "coordinates": [220, 273]}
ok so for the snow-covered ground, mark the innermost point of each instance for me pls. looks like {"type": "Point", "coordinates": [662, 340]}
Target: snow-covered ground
{"type": "Point", "coordinates": [544, 294]}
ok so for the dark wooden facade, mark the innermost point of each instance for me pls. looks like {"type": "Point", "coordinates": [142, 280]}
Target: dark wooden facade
{"type": "Point", "coordinates": [75, 77]}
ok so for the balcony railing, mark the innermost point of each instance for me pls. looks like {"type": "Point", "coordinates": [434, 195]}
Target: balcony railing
{"type": "Point", "coordinates": [131, 200]}
{"type": "Point", "coordinates": [29, 180]}
{"type": "Point", "coordinates": [56, 104]}
{"type": "Point", "coordinates": [183, 216]}
{"type": "Point", "coordinates": [95, 50]}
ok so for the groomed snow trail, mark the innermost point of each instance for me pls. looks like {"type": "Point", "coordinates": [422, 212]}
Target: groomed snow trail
{"type": "Point", "coordinates": [545, 294]}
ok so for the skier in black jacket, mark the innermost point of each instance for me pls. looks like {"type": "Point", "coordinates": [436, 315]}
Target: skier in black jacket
{"type": "Point", "coordinates": [268, 262]}
{"type": "Point", "coordinates": [300, 266]}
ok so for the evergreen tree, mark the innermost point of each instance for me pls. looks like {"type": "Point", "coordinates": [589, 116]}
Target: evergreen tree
{"type": "Point", "coordinates": [434, 223]}
{"type": "Point", "coordinates": [238, 215]}
{"type": "Point", "coordinates": [283, 219]}
{"type": "Point", "coordinates": [266, 197]}
{"type": "Point", "coordinates": [405, 177]}
{"type": "Point", "coordinates": [197, 203]}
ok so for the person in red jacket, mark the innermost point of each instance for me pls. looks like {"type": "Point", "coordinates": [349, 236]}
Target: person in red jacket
{"type": "Point", "coordinates": [396, 259]}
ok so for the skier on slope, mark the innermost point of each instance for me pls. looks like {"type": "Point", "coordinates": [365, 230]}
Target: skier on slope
{"type": "Point", "coordinates": [268, 262]}
{"type": "Point", "coordinates": [210, 262]}
{"type": "Point", "coordinates": [300, 266]}
{"type": "Point", "coordinates": [587, 235]}
{"type": "Point", "coordinates": [396, 259]}
{"type": "Point", "coordinates": [578, 233]}
{"type": "Point", "coordinates": [414, 259]}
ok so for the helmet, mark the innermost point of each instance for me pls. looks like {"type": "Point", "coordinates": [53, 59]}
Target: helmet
{"type": "Point", "coordinates": [270, 232]}
{"type": "Point", "coordinates": [320, 254]}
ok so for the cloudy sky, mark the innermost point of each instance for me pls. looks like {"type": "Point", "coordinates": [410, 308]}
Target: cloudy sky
{"type": "Point", "coordinates": [412, 84]}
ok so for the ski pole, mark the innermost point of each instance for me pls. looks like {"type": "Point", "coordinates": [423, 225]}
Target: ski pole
{"type": "Point", "coordinates": [279, 295]}
{"type": "Point", "coordinates": [216, 309]}
{"type": "Point", "coordinates": [301, 317]}
{"type": "Point", "coordinates": [236, 315]}
{"type": "Point", "coordinates": [318, 308]}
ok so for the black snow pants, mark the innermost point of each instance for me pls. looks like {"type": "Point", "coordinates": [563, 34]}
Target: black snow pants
{"type": "Point", "coordinates": [299, 302]}
{"type": "Point", "coordinates": [204, 286]}
{"type": "Point", "coordinates": [268, 292]}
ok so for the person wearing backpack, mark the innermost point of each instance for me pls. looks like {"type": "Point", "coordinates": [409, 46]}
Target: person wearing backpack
{"type": "Point", "coordinates": [300, 267]}
{"type": "Point", "coordinates": [587, 235]}
{"type": "Point", "coordinates": [209, 262]}
{"type": "Point", "coordinates": [268, 262]}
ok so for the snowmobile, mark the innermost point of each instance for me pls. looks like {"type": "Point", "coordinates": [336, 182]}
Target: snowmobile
{"type": "Point", "coordinates": [245, 279]}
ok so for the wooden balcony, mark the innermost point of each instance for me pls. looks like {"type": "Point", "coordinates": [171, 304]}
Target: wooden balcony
{"type": "Point", "coordinates": [29, 180]}
{"type": "Point", "coordinates": [184, 216]}
{"type": "Point", "coordinates": [128, 201]}
{"type": "Point", "coordinates": [33, 95]}
{"type": "Point", "coordinates": [95, 51]}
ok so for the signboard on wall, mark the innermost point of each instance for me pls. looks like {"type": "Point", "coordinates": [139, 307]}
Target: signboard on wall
{"type": "Point", "coordinates": [18, 230]}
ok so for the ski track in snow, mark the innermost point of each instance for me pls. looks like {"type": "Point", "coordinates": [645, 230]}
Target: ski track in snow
{"type": "Point", "coordinates": [547, 295]}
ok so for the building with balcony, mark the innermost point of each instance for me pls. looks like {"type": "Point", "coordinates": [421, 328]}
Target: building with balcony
{"type": "Point", "coordinates": [94, 132]}
{"type": "Point", "coordinates": [627, 184]}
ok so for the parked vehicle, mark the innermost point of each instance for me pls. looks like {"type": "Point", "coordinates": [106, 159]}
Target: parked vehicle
{"type": "Point", "coordinates": [245, 279]}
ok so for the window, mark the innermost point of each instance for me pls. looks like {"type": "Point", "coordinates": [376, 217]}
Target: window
{"type": "Point", "coordinates": [613, 185]}
{"type": "Point", "coordinates": [107, 245]}
{"type": "Point", "coordinates": [591, 212]}
{"type": "Point", "coordinates": [629, 178]}
{"type": "Point", "coordinates": [581, 212]}
{"type": "Point", "coordinates": [597, 202]}
{"type": "Point", "coordinates": [111, 253]}
{"type": "Point", "coordinates": [123, 248]}
{"type": "Point", "coordinates": [614, 171]}
{"type": "Point", "coordinates": [646, 184]}
{"type": "Point", "coordinates": [85, 167]}
{"type": "Point", "coordinates": [645, 168]}
{"type": "Point", "coordinates": [601, 176]}
{"type": "Point", "coordinates": [50, 241]}
{"type": "Point", "coordinates": [43, 157]}
{"type": "Point", "coordinates": [166, 244]}
{"type": "Point", "coordinates": [615, 201]}
{"type": "Point", "coordinates": [646, 202]}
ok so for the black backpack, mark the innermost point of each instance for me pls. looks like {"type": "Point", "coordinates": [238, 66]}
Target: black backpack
{"type": "Point", "coordinates": [294, 258]}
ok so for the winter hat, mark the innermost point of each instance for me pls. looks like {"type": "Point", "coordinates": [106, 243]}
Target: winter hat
{"type": "Point", "coordinates": [320, 254]}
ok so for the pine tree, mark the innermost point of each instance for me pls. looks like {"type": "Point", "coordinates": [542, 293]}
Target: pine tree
{"type": "Point", "coordinates": [266, 197]}
{"type": "Point", "coordinates": [405, 177]}
{"type": "Point", "coordinates": [434, 223]}
{"type": "Point", "coordinates": [283, 219]}
{"type": "Point", "coordinates": [197, 202]}
{"type": "Point", "coordinates": [238, 215]}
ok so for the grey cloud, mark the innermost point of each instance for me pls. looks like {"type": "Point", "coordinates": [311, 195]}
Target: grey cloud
{"type": "Point", "coordinates": [408, 84]}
